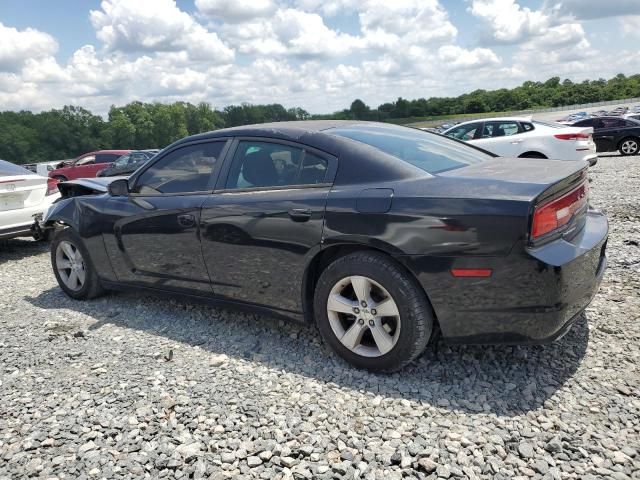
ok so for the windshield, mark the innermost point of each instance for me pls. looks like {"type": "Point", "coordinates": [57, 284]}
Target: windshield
{"type": "Point", "coordinates": [9, 169]}
{"type": "Point", "coordinates": [428, 151]}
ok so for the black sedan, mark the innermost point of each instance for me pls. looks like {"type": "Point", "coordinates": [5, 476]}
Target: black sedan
{"type": "Point", "coordinates": [613, 134]}
{"type": "Point", "coordinates": [373, 232]}
{"type": "Point", "coordinates": [127, 164]}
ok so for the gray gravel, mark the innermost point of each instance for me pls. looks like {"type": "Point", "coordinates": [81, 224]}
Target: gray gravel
{"type": "Point", "coordinates": [129, 386]}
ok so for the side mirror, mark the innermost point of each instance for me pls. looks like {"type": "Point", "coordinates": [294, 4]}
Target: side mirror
{"type": "Point", "coordinates": [119, 188]}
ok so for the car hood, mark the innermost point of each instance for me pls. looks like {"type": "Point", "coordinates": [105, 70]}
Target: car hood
{"type": "Point", "coordinates": [86, 186]}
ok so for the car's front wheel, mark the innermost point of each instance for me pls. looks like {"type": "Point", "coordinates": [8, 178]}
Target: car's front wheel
{"type": "Point", "coordinates": [629, 146]}
{"type": "Point", "coordinates": [72, 266]}
{"type": "Point", "coordinates": [371, 312]}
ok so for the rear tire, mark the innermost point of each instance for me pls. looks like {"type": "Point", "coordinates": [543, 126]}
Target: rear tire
{"type": "Point", "coordinates": [629, 146]}
{"type": "Point", "coordinates": [355, 328]}
{"type": "Point", "coordinates": [73, 267]}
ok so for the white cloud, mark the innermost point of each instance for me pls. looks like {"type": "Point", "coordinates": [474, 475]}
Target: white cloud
{"type": "Point", "coordinates": [631, 26]}
{"type": "Point", "coordinates": [508, 21]}
{"type": "Point", "coordinates": [458, 57]}
{"type": "Point", "coordinates": [18, 46]}
{"type": "Point", "coordinates": [155, 26]}
{"type": "Point", "coordinates": [236, 11]}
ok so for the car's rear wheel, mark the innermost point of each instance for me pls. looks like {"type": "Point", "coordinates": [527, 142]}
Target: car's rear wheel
{"type": "Point", "coordinates": [72, 266]}
{"type": "Point", "coordinates": [371, 312]}
{"type": "Point", "coordinates": [629, 146]}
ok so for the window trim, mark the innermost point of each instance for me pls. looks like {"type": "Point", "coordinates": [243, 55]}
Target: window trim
{"type": "Point", "coordinates": [332, 166]}
{"type": "Point", "coordinates": [217, 168]}
{"type": "Point", "coordinates": [502, 122]}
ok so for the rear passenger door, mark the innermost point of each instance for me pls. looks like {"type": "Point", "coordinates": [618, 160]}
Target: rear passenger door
{"type": "Point", "coordinates": [611, 132]}
{"type": "Point", "coordinates": [265, 220]}
{"type": "Point", "coordinates": [503, 138]}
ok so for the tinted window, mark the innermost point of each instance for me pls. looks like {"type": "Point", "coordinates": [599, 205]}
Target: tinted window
{"type": "Point", "coordinates": [106, 157]}
{"type": "Point", "coordinates": [499, 129]}
{"type": "Point", "coordinates": [264, 164]}
{"type": "Point", "coordinates": [427, 151]}
{"type": "Point", "coordinates": [612, 122]}
{"type": "Point", "coordinates": [185, 170]}
{"type": "Point", "coordinates": [631, 123]}
{"type": "Point", "coordinates": [464, 132]}
{"type": "Point", "coordinates": [9, 169]}
{"type": "Point", "coordinates": [527, 127]}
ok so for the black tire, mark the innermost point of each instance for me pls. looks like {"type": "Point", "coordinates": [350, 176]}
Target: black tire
{"type": "Point", "coordinates": [416, 314]}
{"type": "Point", "coordinates": [60, 178]}
{"type": "Point", "coordinates": [627, 142]}
{"type": "Point", "coordinates": [91, 287]}
{"type": "Point", "coordinates": [533, 155]}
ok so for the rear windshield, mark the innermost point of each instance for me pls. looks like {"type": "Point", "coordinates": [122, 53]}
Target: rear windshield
{"type": "Point", "coordinates": [427, 151]}
{"type": "Point", "coordinates": [9, 169]}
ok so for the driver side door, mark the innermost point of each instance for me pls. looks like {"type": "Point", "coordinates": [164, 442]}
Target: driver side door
{"type": "Point", "coordinates": [155, 239]}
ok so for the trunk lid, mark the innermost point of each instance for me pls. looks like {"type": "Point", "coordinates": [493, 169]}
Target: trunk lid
{"type": "Point", "coordinates": [21, 191]}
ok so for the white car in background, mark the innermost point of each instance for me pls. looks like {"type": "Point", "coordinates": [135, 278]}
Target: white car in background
{"type": "Point", "coordinates": [527, 138]}
{"type": "Point", "coordinates": [23, 197]}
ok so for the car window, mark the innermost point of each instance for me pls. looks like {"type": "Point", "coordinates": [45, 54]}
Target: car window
{"type": "Point", "coordinates": [428, 151]}
{"type": "Point", "coordinates": [184, 170]}
{"type": "Point", "coordinates": [585, 123]}
{"type": "Point", "coordinates": [122, 161]}
{"type": "Point", "coordinates": [264, 164]}
{"type": "Point", "coordinates": [499, 129]}
{"type": "Point", "coordinates": [88, 160]}
{"type": "Point", "coordinates": [631, 123]}
{"type": "Point", "coordinates": [107, 157]}
{"type": "Point", "coordinates": [612, 122]}
{"type": "Point", "coordinates": [464, 132]}
{"type": "Point", "coordinates": [526, 126]}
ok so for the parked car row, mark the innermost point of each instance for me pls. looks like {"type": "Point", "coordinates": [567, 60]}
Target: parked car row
{"type": "Point", "coordinates": [526, 138]}
{"type": "Point", "coordinates": [616, 112]}
{"type": "Point", "coordinates": [376, 233]}
{"type": "Point", "coordinates": [614, 134]}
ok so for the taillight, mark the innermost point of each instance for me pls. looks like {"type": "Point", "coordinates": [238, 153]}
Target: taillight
{"type": "Point", "coordinates": [573, 136]}
{"type": "Point", "coordinates": [52, 186]}
{"type": "Point", "coordinates": [558, 212]}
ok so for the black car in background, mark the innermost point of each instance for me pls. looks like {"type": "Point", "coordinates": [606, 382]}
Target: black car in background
{"type": "Point", "coordinates": [613, 134]}
{"type": "Point", "coordinates": [129, 163]}
{"type": "Point", "coordinates": [376, 233]}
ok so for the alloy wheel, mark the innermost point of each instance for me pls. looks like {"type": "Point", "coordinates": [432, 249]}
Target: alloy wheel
{"type": "Point", "coordinates": [629, 147]}
{"type": "Point", "coordinates": [70, 265]}
{"type": "Point", "coordinates": [363, 316]}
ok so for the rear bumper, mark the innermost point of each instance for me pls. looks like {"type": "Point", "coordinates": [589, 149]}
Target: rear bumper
{"type": "Point", "coordinates": [532, 296]}
{"type": "Point", "coordinates": [19, 222]}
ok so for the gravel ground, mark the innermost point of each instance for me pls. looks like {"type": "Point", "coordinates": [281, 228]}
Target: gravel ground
{"type": "Point", "coordinates": [132, 386]}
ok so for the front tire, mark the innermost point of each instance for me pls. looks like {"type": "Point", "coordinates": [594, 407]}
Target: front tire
{"type": "Point", "coordinates": [73, 267]}
{"type": "Point", "coordinates": [371, 312]}
{"type": "Point", "coordinates": [629, 146]}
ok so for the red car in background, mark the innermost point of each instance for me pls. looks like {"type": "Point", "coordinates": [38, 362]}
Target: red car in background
{"type": "Point", "coordinates": [87, 165]}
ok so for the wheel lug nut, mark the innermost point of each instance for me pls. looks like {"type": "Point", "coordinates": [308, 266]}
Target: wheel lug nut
{"type": "Point", "coordinates": [360, 321]}
{"type": "Point", "coordinates": [356, 310]}
{"type": "Point", "coordinates": [373, 311]}
{"type": "Point", "coordinates": [372, 323]}
{"type": "Point", "coordinates": [363, 303]}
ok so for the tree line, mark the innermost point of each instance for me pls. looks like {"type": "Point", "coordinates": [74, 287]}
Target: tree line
{"type": "Point", "coordinates": [27, 137]}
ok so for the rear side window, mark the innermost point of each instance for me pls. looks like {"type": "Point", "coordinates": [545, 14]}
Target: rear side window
{"type": "Point", "coordinates": [88, 160]}
{"type": "Point", "coordinates": [264, 164]}
{"type": "Point", "coordinates": [612, 122]}
{"type": "Point", "coordinates": [527, 127]}
{"type": "Point", "coordinates": [428, 151]}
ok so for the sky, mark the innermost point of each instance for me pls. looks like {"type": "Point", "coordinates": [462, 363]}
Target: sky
{"type": "Point", "coordinates": [316, 54]}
